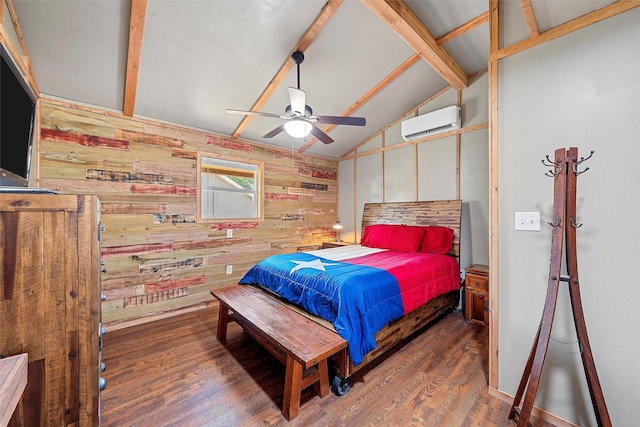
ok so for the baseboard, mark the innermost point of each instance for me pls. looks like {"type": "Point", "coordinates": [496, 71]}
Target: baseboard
{"type": "Point", "coordinates": [121, 324]}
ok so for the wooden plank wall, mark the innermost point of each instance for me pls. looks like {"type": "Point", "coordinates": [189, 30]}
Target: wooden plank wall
{"type": "Point", "coordinates": [158, 260]}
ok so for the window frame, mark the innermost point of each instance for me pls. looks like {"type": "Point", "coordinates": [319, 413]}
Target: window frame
{"type": "Point", "coordinates": [259, 191]}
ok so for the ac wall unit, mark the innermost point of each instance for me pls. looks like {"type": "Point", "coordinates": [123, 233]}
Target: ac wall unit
{"type": "Point", "coordinates": [431, 123]}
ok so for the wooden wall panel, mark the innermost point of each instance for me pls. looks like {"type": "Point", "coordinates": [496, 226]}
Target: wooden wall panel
{"type": "Point", "coordinates": [157, 259]}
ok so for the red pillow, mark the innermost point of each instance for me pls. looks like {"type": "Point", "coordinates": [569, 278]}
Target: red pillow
{"type": "Point", "coordinates": [402, 238]}
{"type": "Point", "coordinates": [437, 240]}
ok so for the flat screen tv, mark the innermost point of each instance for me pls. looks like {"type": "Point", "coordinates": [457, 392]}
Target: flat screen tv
{"type": "Point", "coordinates": [17, 121]}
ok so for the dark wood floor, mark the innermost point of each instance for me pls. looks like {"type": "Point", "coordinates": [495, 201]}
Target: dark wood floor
{"type": "Point", "coordinates": [174, 372]}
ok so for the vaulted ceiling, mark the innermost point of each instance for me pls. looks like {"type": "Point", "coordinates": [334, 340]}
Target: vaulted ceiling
{"type": "Point", "coordinates": [185, 62]}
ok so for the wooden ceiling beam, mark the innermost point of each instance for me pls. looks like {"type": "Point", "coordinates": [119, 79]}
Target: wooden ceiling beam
{"type": "Point", "coordinates": [136, 29]}
{"type": "Point", "coordinates": [464, 28]}
{"type": "Point", "coordinates": [456, 32]}
{"type": "Point", "coordinates": [21, 57]}
{"type": "Point", "coordinates": [370, 94]}
{"type": "Point", "coordinates": [583, 21]}
{"type": "Point", "coordinates": [530, 18]}
{"type": "Point", "coordinates": [407, 25]}
{"type": "Point", "coordinates": [309, 36]}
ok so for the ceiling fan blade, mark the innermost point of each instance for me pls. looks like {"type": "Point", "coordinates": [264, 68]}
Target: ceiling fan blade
{"type": "Point", "coordinates": [255, 113]}
{"type": "Point", "coordinates": [297, 100]}
{"type": "Point", "coordinates": [317, 132]}
{"type": "Point", "coordinates": [274, 132]}
{"type": "Point", "coordinates": [341, 120]}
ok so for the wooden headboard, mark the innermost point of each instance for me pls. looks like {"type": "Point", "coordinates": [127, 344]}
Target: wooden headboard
{"type": "Point", "coordinates": [437, 212]}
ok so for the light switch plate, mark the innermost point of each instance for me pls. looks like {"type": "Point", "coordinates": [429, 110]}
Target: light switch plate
{"type": "Point", "coordinates": [528, 221]}
{"type": "Point", "coordinates": [229, 233]}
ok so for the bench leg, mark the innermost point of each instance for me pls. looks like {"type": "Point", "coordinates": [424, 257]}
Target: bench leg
{"type": "Point", "coordinates": [321, 387]}
{"type": "Point", "coordinates": [292, 388]}
{"type": "Point", "coordinates": [223, 319]}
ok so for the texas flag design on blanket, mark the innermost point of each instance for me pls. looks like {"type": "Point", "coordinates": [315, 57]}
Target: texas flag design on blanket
{"type": "Point", "coordinates": [357, 295]}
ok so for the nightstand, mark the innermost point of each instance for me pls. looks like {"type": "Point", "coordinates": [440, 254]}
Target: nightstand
{"type": "Point", "coordinates": [334, 244]}
{"type": "Point", "coordinates": [476, 294]}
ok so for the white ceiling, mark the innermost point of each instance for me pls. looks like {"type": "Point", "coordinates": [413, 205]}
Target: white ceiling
{"type": "Point", "coordinates": [200, 57]}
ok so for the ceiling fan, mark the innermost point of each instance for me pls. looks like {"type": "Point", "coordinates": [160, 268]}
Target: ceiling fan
{"type": "Point", "coordinates": [298, 116]}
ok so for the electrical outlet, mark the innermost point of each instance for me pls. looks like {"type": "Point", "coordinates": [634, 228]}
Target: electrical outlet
{"type": "Point", "coordinates": [229, 234]}
{"type": "Point", "coordinates": [528, 221]}
{"type": "Point", "coordinates": [229, 269]}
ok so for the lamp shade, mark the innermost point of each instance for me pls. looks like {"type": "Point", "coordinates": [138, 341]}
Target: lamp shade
{"type": "Point", "coordinates": [297, 128]}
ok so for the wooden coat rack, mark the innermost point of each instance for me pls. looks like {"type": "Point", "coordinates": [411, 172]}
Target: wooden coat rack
{"type": "Point", "coordinates": [565, 173]}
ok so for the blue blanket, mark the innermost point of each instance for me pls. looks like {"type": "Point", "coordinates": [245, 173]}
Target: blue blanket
{"type": "Point", "coordinates": [357, 299]}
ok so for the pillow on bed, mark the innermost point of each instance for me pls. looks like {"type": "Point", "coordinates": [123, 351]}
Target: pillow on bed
{"type": "Point", "coordinates": [402, 238]}
{"type": "Point", "coordinates": [437, 240]}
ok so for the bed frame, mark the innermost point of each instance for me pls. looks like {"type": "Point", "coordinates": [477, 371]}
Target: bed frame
{"type": "Point", "coordinates": [441, 212]}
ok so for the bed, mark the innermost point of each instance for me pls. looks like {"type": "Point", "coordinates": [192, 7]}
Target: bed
{"type": "Point", "coordinates": [394, 284]}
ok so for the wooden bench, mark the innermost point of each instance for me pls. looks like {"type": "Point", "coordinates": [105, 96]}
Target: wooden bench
{"type": "Point", "coordinates": [303, 350]}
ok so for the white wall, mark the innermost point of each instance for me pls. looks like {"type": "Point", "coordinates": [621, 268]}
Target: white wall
{"type": "Point", "coordinates": [426, 171]}
{"type": "Point", "coordinates": [346, 193]}
{"type": "Point", "coordinates": [581, 90]}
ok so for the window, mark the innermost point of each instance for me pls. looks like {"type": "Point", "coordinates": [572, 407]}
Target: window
{"type": "Point", "coordinates": [229, 188]}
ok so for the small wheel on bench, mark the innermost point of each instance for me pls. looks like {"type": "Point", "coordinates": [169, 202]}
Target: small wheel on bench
{"type": "Point", "coordinates": [340, 386]}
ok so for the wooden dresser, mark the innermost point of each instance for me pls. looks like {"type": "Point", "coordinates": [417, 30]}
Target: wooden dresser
{"type": "Point", "coordinates": [50, 304]}
{"type": "Point", "coordinates": [476, 294]}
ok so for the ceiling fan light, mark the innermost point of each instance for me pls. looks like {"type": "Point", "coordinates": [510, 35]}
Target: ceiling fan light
{"type": "Point", "coordinates": [297, 128]}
